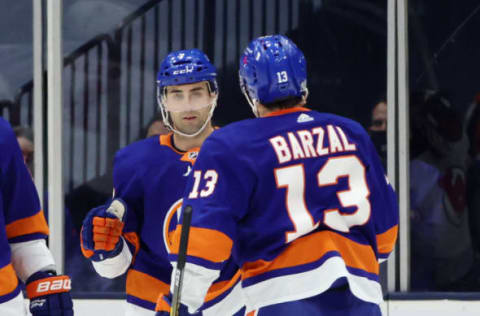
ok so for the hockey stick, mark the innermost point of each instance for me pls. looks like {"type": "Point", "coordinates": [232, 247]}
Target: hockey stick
{"type": "Point", "coordinates": [182, 258]}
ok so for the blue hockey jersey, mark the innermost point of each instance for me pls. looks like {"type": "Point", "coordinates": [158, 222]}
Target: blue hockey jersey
{"type": "Point", "coordinates": [150, 176]}
{"type": "Point", "coordinates": [299, 199]}
{"type": "Point", "coordinates": [21, 218]}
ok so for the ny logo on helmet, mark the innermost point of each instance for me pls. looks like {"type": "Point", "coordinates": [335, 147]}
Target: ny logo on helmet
{"type": "Point", "coordinates": [188, 69]}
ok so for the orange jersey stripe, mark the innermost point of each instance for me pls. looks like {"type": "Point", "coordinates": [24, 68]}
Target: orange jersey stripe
{"type": "Point", "coordinates": [28, 225]}
{"type": "Point", "coordinates": [386, 241]}
{"type": "Point", "coordinates": [286, 111]}
{"type": "Point", "coordinates": [145, 286]}
{"type": "Point", "coordinates": [133, 238]}
{"type": "Point", "coordinates": [312, 248]}
{"type": "Point", "coordinates": [218, 288]}
{"type": "Point", "coordinates": [166, 140]}
{"type": "Point", "coordinates": [187, 156]}
{"type": "Point", "coordinates": [205, 243]}
{"type": "Point", "coordinates": [8, 279]}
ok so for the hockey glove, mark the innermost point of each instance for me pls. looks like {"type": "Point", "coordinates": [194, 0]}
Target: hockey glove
{"type": "Point", "coordinates": [49, 294]}
{"type": "Point", "coordinates": [102, 230]}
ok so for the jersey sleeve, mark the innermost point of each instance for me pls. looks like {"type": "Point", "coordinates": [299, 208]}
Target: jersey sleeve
{"type": "Point", "coordinates": [128, 186]}
{"type": "Point", "coordinates": [218, 191]}
{"type": "Point", "coordinates": [384, 203]}
{"type": "Point", "coordinates": [24, 219]}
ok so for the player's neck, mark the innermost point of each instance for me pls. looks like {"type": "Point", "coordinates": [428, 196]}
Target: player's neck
{"type": "Point", "coordinates": [185, 143]}
{"type": "Point", "coordinates": [264, 111]}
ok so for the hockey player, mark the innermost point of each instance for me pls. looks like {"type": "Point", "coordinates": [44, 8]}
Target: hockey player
{"type": "Point", "coordinates": [149, 180]}
{"type": "Point", "coordinates": [23, 231]}
{"type": "Point", "coordinates": [298, 197]}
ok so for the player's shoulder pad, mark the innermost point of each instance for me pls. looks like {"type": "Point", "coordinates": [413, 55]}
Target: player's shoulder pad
{"type": "Point", "coordinates": [140, 151]}
{"type": "Point", "coordinates": [230, 133]}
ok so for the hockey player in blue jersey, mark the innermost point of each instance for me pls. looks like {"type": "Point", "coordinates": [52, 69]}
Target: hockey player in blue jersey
{"type": "Point", "coordinates": [132, 232]}
{"type": "Point", "coordinates": [23, 231]}
{"type": "Point", "coordinates": [298, 198]}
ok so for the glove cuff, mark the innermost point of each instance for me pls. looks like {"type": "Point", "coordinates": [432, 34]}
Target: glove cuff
{"type": "Point", "coordinates": [45, 283]}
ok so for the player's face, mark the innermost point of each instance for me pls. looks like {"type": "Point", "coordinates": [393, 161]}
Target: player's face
{"type": "Point", "coordinates": [189, 105]}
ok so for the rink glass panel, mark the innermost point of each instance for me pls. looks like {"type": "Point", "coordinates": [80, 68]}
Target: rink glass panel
{"type": "Point", "coordinates": [444, 143]}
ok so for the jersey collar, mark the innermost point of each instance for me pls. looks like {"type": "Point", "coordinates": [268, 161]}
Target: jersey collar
{"type": "Point", "coordinates": [189, 156]}
{"type": "Point", "coordinates": [287, 111]}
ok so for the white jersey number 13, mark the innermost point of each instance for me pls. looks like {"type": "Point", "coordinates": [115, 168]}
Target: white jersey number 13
{"type": "Point", "coordinates": [293, 179]}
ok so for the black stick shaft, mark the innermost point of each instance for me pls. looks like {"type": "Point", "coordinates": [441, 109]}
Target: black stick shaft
{"type": "Point", "coordinates": [182, 258]}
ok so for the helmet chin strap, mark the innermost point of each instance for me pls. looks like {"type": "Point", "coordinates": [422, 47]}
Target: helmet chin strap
{"type": "Point", "coordinates": [169, 125]}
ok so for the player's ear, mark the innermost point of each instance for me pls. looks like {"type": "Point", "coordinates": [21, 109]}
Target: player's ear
{"type": "Point", "coordinates": [305, 95]}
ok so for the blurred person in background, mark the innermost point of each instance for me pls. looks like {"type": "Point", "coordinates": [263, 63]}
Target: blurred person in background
{"type": "Point", "coordinates": [378, 129]}
{"type": "Point", "coordinates": [155, 127]}
{"type": "Point", "coordinates": [442, 254]}
{"type": "Point", "coordinates": [472, 122]}
{"type": "Point", "coordinates": [24, 135]}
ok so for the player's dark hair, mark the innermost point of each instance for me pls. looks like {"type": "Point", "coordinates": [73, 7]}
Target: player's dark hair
{"type": "Point", "coordinates": [23, 131]}
{"type": "Point", "coordinates": [285, 103]}
{"type": "Point", "coordinates": [157, 117]}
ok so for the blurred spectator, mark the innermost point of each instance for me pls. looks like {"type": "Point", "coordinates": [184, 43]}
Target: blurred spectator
{"type": "Point", "coordinates": [442, 255]}
{"type": "Point", "coordinates": [379, 117]}
{"type": "Point", "coordinates": [155, 127]}
{"type": "Point", "coordinates": [24, 136]}
{"type": "Point", "coordinates": [378, 129]}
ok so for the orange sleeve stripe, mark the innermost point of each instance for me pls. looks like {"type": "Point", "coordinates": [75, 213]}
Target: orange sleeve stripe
{"type": "Point", "coordinates": [145, 286]}
{"type": "Point", "coordinates": [8, 279]}
{"type": "Point", "coordinates": [312, 248]}
{"type": "Point", "coordinates": [28, 225]}
{"type": "Point", "coordinates": [386, 241]}
{"type": "Point", "coordinates": [133, 238]}
{"type": "Point", "coordinates": [218, 288]}
{"type": "Point", "coordinates": [205, 243]}
{"type": "Point", "coordinates": [288, 110]}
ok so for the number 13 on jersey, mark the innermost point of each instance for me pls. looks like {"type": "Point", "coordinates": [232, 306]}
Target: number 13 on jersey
{"type": "Point", "coordinates": [292, 178]}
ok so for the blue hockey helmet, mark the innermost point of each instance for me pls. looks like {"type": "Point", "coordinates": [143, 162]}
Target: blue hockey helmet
{"type": "Point", "coordinates": [185, 67]}
{"type": "Point", "coordinates": [272, 68]}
